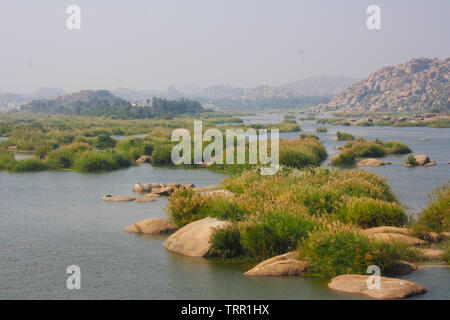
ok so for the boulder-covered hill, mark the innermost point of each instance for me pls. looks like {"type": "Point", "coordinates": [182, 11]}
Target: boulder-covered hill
{"type": "Point", "coordinates": [419, 85]}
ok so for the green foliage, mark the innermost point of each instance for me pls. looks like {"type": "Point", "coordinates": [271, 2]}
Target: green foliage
{"type": "Point", "coordinates": [226, 243]}
{"type": "Point", "coordinates": [397, 147]}
{"type": "Point", "coordinates": [274, 233]}
{"type": "Point", "coordinates": [343, 136]}
{"type": "Point", "coordinates": [105, 141]}
{"type": "Point", "coordinates": [161, 155]}
{"type": "Point", "coordinates": [308, 135]}
{"type": "Point", "coordinates": [31, 164]}
{"type": "Point", "coordinates": [6, 159]}
{"type": "Point", "coordinates": [436, 216]}
{"type": "Point", "coordinates": [321, 129]}
{"type": "Point", "coordinates": [339, 249]}
{"type": "Point", "coordinates": [101, 161]}
{"type": "Point", "coordinates": [344, 158]}
{"type": "Point", "coordinates": [411, 161]}
{"type": "Point", "coordinates": [368, 213]}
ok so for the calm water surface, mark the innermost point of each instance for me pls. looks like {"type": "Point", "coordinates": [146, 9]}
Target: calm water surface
{"type": "Point", "coordinates": [50, 220]}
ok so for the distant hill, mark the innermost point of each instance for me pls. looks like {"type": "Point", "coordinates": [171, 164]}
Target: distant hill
{"type": "Point", "coordinates": [11, 101]}
{"type": "Point", "coordinates": [300, 94]}
{"type": "Point", "coordinates": [420, 85]}
{"type": "Point", "coordinates": [104, 103]}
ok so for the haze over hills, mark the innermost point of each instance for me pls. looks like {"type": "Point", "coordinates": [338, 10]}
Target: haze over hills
{"type": "Point", "coordinates": [418, 85]}
{"type": "Point", "coordinates": [9, 101]}
{"type": "Point", "coordinates": [102, 103]}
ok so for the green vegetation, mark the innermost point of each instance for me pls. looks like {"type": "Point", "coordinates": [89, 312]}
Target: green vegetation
{"type": "Point", "coordinates": [308, 135]}
{"type": "Point", "coordinates": [103, 104]}
{"type": "Point", "coordinates": [340, 249]}
{"type": "Point", "coordinates": [436, 216]}
{"type": "Point", "coordinates": [321, 129]}
{"type": "Point", "coordinates": [367, 149]}
{"type": "Point", "coordinates": [271, 215]}
{"type": "Point", "coordinates": [411, 161]}
{"type": "Point", "coordinates": [343, 136]}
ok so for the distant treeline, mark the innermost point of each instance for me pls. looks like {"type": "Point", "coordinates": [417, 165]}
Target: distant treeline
{"type": "Point", "coordinates": [118, 108]}
{"type": "Point", "coordinates": [269, 103]}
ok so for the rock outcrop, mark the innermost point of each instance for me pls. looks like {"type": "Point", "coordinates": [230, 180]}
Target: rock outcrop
{"type": "Point", "coordinates": [431, 254]}
{"type": "Point", "coordinates": [283, 265]}
{"type": "Point", "coordinates": [117, 198]}
{"type": "Point", "coordinates": [143, 159]}
{"type": "Point", "coordinates": [372, 162]}
{"type": "Point", "coordinates": [390, 288]}
{"type": "Point", "coordinates": [399, 237]}
{"type": "Point", "coordinates": [402, 268]}
{"type": "Point", "coordinates": [194, 239]}
{"type": "Point", "coordinates": [152, 226]}
{"type": "Point", "coordinates": [418, 85]}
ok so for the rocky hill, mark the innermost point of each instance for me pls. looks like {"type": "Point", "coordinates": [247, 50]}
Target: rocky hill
{"type": "Point", "coordinates": [419, 85]}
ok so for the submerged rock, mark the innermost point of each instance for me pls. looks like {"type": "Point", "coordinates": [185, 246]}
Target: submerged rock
{"type": "Point", "coordinates": [117, 198]}
{"type": "Point", "coordinates": [194, 239]}
{"type": "Point", "coordinates": [372, 162]}
{"type": "Point", "coordinates": [152, 226]}
{"type": "Point", "coordinates": [145, 199]}
{"type": "Point", "coordinates": [390, 288]}
{"type": "Point", "coordinates": [282, 265]}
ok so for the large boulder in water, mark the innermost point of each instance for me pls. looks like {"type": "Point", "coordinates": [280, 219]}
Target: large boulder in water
{"type": "Point", "coordinates": [390, 288]}
{"type": "Point", "coordinates": [194, 238]}
{"type": "Point", "coordinates": [372, 162]}
{"type": "Point", "coordinates": [152, 226]}
{"type": "Point", "coordinates": [282, 265]}
{"type": "Point", "coordinates": [117, 198]}
{"type": "Point", "coordinates": [143, 159]}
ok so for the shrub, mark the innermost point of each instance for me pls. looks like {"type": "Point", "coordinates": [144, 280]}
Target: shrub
{"type": "Point", "coordinates": [101, 161]}
{"type": "Point", "coordinates": [64, 157]}
{"type": "Point", "coordinates": [309, 135]}
{"type": "Point", "coordinates": [105, 141]}
{"type": "Point", "coordinates": [343, 136]}
{"type": "Point", "coordinates": [368, 213]}
{"type": "Point", "coordinates": [186, 206]}
{"type": "Point", "coordinates": [411, 161]}
{"type": "Point", "coordinates": [436, 217]}
{"type": "Point", "coordinates": [31, 164]}
{"type": "Point", "coordinates": [275, 233]}
{"type": "Point", "coordinates": [162, 155]}
{"type": "Point", "coordinates": [344, 158]}
{"type": "Point", "coordinates": [397, 147]}
{"type": "Point", "coordinates": [339, 249]}
{"type": "Point", "coordinates": [6, 159]}
{"type": "Point", "coordinates": [321, 129]}
{"type": "Point", "coordinates": [226, 243]}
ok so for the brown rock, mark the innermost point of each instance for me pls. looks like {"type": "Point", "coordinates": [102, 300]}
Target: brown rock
{"type": "Point", "coordinates": [399, 237]}
{"type": "Point", "coordinates": [445, 234]}
{"type": "Point", "coordinates": [117, 198]}
{"type": "Point", "coordinates": [422, 159]}
{"type": "Point", "coordinates": [390, 288]}
{"type": "Point", "coordinates": [388, 229]}
{"type": "Point", "coordinates": [431, 254]}
{"type": "Point", "coordinates": [282, 265]}
{"type": "Point", "coordinates": [429, 164]}
{"type": "Point", "coordinates": [143, 159]}
{"type": "Point", "coordinates": [145, 199]}
{"type": "Point", "coordinates": [194, 239]}
{"type": "Point", "coordinates": [403, 268]}
{"type": "Point", "coordinates": [152, 226]}
{"type": "Point", "coordinates": [372, 162]}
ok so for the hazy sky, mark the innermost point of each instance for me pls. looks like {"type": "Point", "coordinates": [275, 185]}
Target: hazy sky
{"type": "Point", "coordinates": [145, 44]}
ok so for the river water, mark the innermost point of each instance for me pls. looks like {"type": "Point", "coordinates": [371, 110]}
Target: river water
{"type": "Point", "coordinates": [50, 220]}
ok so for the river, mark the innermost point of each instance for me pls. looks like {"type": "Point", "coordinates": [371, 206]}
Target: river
{"type": "Point", "coordinates": [50, 220]}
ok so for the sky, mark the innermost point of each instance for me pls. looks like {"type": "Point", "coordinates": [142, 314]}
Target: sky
{"type": "Point", "coordinates": [152, 44]}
